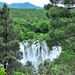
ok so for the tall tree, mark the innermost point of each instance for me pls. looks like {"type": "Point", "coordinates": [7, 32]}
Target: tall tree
{"type": "Point", "coordinates": [9, 45]}
{"type": "Point", "coordinates": [62, 33]}
{"type": "Point", "coordinates": [62, 28]}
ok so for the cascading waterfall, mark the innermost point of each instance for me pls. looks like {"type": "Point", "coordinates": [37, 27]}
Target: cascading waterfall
{"type": "Point", "coordinates": [38, 52]}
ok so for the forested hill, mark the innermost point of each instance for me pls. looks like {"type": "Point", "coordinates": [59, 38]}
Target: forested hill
{"type": "Point", "coordinates": [21, 5]}
{"type": "Point", "coordinates": [32, 22]}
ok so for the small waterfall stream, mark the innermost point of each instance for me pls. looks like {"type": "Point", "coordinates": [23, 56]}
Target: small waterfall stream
{"type": "Point", "coordinates": [38, 52]}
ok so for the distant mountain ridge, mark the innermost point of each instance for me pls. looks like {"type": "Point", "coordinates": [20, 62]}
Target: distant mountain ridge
{"type": "Point", "coordinates": [21, 5]}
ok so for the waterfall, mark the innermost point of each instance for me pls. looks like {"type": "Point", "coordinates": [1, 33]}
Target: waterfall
{"type": "Point", "coordinates": [38, 52]}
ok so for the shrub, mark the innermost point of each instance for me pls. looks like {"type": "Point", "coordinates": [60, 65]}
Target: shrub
{"type": "Point", "coordinates": [19, 73]}
{"type": "Point", "coordinates": [2, 71]}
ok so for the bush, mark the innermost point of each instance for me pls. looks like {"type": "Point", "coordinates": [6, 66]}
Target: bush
{"type": "Point", "coordinates": [19, 73]}
{"type": "Point", "coordinates": [2, 71]}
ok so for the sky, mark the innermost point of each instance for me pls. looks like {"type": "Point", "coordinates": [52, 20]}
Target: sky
{"type": "Point", "coordinates": [35, 2]}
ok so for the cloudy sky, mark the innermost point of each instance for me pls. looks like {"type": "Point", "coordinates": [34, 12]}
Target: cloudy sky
{"type": "Point", "coordinates": [35, 2]}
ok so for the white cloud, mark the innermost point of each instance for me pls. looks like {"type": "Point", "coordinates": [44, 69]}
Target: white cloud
{"type": "Point", "coordinates": [35, 2]}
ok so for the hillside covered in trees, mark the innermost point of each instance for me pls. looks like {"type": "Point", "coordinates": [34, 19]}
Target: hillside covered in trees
{"type": "Point", "coordinates": [55, 25]}
{"type": "Point", "coordinates": [32, 22]}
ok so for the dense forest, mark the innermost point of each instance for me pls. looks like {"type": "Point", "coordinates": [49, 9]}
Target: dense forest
{"type": "Point", "coordinates": [32, 22]}
{"type": "Point", "coordinates": [55, 25]}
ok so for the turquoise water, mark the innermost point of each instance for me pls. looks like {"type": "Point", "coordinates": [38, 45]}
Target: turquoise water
{"type": "Point", "coordinates": [36, 64]}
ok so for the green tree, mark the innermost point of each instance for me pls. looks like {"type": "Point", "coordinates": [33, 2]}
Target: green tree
{"type": "Point", "coordinates": [62, 33]}
{"type": "Point", "coordinates": [9, 45]}
{"type": "Point", "coordinates": [29, 68]}
{"type": "Point", "coordinates": [14, 66]}
{"type": "Point", "coordinates": [54, 1]}
{"type": "Point", "coordinates": [68, 3]}
{"type": "Point", "coordinates": [62, 28]}
{"type": "Point", "coordinates": [61, 69]}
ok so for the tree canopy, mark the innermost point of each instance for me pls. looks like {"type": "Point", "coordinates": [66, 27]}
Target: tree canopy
{"type": "Point", "coordinates": [62, 33]}
{"type": "Point", "coordinates": [9, 45]}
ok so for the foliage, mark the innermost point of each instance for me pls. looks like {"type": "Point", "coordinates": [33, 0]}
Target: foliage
{"type": "Point", "coordinates": [69, 2]}
{"type": "Point", "coordinates": [60, 70]}
{"type": "Point", "coordinates": [33, 22]}
{"type": "Point", "coordinates": [30, 68]}
{"type": "Point", "coordinates": [61, 29]}
{"type": "Point", "coordinates": [58, 29]}
{"type": "Point", "coordinates": [2, 71]}
{"type": "Point", "coordinates": [23, 26]}
{"type": "Point", "coordinates": [9, 43]}
{"type": "Point", "coordinates": [67, 57]}
{"type": "Point", "coordinates": [62, 33]}
{"type": "Point", "coordinates": [31, 14]}
{"type": "Point", "coordinates": [19, 73]}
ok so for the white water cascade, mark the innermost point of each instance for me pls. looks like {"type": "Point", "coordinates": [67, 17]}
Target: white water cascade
{"type": "Point", "coordinates": [38, 52]}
